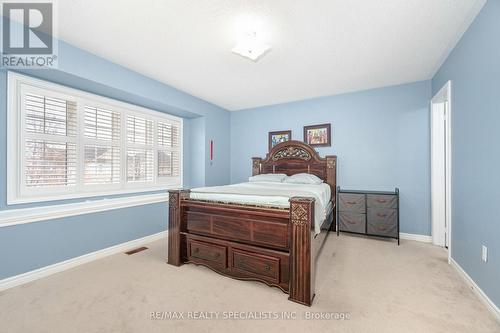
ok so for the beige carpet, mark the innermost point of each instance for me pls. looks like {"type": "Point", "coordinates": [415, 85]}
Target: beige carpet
{"type": "Point", "coordinates": [379, 286]}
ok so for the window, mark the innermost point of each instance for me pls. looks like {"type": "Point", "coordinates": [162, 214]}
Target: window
{"type": "Point", "coordinates": [50, 141]}
{"type": "Point", "coordinates": [65, 143]}
{"type": "Point", "coordinates": [101, 162]}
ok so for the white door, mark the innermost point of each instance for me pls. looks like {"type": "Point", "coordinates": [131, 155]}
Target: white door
{"type": "Point", "coordinates": [438, 173]}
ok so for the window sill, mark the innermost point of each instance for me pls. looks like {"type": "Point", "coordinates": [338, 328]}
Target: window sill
{"type": "Point", "coordinates": [29, 215]}
{"type": "Point", "coordinates": [79, 195]}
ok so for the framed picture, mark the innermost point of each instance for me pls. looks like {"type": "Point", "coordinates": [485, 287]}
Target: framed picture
{"type": "Point", "coordinates": [278, 137]}
{"type": "Point", "coordinates": [318, 135]}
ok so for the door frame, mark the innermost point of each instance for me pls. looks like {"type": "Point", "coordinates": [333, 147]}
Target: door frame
{"type": "Point", "coordinates": [444, 95]}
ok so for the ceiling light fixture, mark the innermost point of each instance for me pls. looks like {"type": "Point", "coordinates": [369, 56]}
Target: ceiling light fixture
{"type": "Point", "coordinates": [251, 47]}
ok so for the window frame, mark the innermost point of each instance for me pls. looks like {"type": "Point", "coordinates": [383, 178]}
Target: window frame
{"type": "Point", "coordinates": [16, 189]}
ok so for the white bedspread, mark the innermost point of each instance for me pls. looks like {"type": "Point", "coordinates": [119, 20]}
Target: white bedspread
{"type": "Point", "coordinates": [269, 194]}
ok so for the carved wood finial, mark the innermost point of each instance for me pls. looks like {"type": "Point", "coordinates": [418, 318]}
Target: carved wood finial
{"type": "Point", "coordinates": [300, 211]}
{"type": "Point", "coordinates": [299, 215]}
{"type": "Point", "coordinates": [172, 200]}
{"type": "Point", "coordinates": [256, 164]}
{"type": "Point", "coordinates": [330, 163]}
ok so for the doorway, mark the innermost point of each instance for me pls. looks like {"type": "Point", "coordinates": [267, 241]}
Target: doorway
{"type": "Point", "coordinates": [441, 167]}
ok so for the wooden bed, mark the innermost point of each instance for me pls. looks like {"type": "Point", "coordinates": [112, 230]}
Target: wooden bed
{"type": "Point", "coordinates": [275, 246]}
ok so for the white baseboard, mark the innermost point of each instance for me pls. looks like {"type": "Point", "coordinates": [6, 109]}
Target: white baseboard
{"type": "Point", "coordinates": [478, 291]}
{"type": "Point", "coordinates": [416, 237]}
{"type": "Point", "coordinates": [73, 262]}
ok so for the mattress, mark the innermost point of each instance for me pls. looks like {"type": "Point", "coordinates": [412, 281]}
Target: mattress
{"type": "Point", "coordinates": [269, 194]}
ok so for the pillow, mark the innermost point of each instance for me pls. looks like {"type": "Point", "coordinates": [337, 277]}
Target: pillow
{"type": "Point", "coordinates": [304, 178]}
{"type": "Point", "coordinates": [268, 177]}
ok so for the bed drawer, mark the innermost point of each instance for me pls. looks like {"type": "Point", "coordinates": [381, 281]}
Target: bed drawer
{"type": "Point", "coordinates": [382, 201]}
{"type": "Point", "coordinates": [352, 202]}
{"type": "Point", "coordinates": [207, 253]}
{"type": "Point", "coordinates": [382, 222]}
{"type": "Point", "coordinates": [352, 222]}
{"type": "Point", "coordinates": [256, 265]}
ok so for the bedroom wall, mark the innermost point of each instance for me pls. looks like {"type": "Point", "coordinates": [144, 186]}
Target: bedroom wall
{"type": "Point", "coordinates": [474, 70]}
{"type": "Point", "coordinates": [33, 245]}
{"type": "Point", "coordinates": [381, 137]}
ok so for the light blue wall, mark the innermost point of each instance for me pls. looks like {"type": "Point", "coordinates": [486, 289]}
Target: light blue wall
{"type": "Point", "coordinates": [381, 138]}
{"type": "Point", "coordinates": [198, 148]}
{"type": "Point", "coordinates": [474, 70]}
{"type": "Point", "coordinates": [218, 129]}
{"type": "Point", "coordinates": [33, 245]}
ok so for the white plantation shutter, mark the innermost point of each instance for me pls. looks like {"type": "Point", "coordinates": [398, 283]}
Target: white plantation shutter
{"type": "Point", "coordinates": [102, 132]}
{"type": "Point", "coordinates": [139, 130]}
{"type": "Point", "coordinates": [65, 143]}
{"type": "Point", "coordinates": [49, 141]}
{"type": "Point", "coordinates": [140, 161]}
{"type": "Point", "coordinates": [168, 134]}
{"type": "Point", "coordinates": [50, 163]}
{"type": "Point", "coordinates": [168, 149]}
{"type": "Point", "coordinates": [102, 124]}
{"type": "Point", "coordinates": [51, 116]}
{"type": "Point", "coordinates": [139, 165]}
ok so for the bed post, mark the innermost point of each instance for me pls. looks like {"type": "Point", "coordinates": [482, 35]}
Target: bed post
{"type": "Point", "coordinates": [331, 179]}
{"type": "Point", "coordinates": [174, 226]}
{"type": "Point", "coordinates": [256, 161]}
{"type": "Point", "coordinates": [301, 261]}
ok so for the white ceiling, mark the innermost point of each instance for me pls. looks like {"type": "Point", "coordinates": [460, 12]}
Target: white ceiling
{"type": "Point", "coordinates": [319, 47]}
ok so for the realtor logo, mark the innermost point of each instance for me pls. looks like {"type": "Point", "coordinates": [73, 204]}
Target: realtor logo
{"type": "Point", "coordinates": [28, 34]}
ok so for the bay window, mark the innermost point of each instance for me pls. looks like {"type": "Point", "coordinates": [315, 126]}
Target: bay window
{"type": "Point", "coordinates": [65, 143]}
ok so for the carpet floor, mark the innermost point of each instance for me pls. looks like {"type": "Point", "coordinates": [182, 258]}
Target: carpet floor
{"type": "Point", "coordinates": [364, 285]}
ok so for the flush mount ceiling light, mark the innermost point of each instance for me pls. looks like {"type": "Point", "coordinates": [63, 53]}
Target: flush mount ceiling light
{"type": "Point", "coordinates": [251, 47]}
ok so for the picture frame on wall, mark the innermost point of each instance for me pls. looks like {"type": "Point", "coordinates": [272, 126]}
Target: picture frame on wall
{"type": "Point", "coordinates": [318, 135]}
{"type": "Point", "coordinates": [279, 137]}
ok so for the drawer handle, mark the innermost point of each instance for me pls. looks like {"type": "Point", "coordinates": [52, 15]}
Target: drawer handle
{"type": "Point", "coordinates": [351, 222]}
{"type": "Point", "coordinates": [217, 255]}
{"type": "Point", "coordinates": [267, 268]}
{"type": "Point", "coordinates": [381, 215]}
{"type": "Point", "coordinates": [196, 250]}
{"type": "Point", "coordinates": [351, 202]}
{"type": "Point", "coordinates": [382, 228]}
{"type": "Point", "coordinates": [381, 200]}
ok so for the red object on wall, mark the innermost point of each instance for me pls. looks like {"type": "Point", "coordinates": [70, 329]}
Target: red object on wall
{"type": "Point", "coordinates": [211, 150]}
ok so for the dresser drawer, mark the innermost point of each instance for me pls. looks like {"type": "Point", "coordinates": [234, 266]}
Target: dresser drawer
{"type": "Point", "coordinates": [352, 222]}
{"type": "Point", "coordinates": [382, 222]}
{"type": "Point", "coordinates": [207, 253]}
{"type": "Point", "coordinates": [352, 202]}
{"type": "Point", "coordinates": [382, 201]}
{"type": "Point", "coordinates": [261, 266]}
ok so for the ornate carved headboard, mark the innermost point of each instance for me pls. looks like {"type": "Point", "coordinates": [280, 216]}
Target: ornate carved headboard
{"type": "Point", "coordinates": [292, 157]}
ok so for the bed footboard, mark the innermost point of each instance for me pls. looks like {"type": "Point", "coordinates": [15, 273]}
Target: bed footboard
{"type": "Point", "coordinates": [286, 258]}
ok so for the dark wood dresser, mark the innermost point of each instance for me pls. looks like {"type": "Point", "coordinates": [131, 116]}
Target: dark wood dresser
{"type": "Point", "coordinates": [372, 213]}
